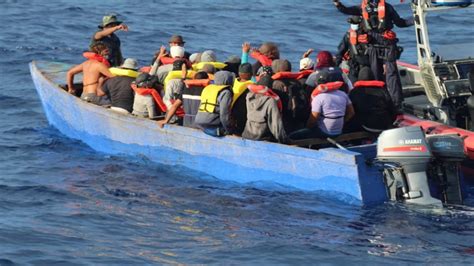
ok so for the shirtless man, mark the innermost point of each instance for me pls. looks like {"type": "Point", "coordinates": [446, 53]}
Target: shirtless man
{"type": "Point", "coordinates": [94, 70]}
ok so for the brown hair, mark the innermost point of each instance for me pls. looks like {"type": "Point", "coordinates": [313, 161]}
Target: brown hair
{"type": "Point", "coordinates": [98, 47]}
{"type": "Point", "coordinates": [270, 50]}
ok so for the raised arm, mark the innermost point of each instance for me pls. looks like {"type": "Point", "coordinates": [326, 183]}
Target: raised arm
{"type": "Point", "coordinates": [245, 53]}
{"type": "Point", "coordinates": [397, 20]}
{"type": "Point", "coordinates": [352, 10]}
{"type": "Point", "coordinates": [107, 31]}
{"type": "Point", "coordinates": [307, 53]}
{"type": "Point", "coordinates": [70, 77]}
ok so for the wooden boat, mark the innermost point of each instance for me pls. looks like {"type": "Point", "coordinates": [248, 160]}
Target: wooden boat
{"type": "Point", "coordinates": [342, 173]}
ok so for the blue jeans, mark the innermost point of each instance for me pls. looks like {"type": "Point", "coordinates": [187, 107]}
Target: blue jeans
{"type": "Point", "coordinates": [309, 133]}
{"type": "Point", "coordinates": [214, 131]}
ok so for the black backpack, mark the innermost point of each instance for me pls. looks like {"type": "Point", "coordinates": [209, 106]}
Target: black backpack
{"type": "Point", "coordinates": [296, 106]}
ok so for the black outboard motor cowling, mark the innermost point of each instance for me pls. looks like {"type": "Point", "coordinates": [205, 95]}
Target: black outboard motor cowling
{"type": "Point", "coordinates": [470, 109]}
{"type": "Point", "coordinates": [470, 100]}
{"type": "Point", "coordinates": [422, 163]}
{"type": "Point", "coordinates": [448, 150]}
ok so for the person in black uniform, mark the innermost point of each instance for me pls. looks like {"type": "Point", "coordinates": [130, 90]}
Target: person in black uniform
{"type": "Point", "coordinates": [379, 17]}
{"type": "Point", "coordinates": [353, 48]}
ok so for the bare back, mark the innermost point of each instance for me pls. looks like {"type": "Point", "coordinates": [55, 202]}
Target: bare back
{"type": "Point", "coordinates": [92, 72]}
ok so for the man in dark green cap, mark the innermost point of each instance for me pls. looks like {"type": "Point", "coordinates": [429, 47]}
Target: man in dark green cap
{"type": "Point", "coordinates": [105, 34]}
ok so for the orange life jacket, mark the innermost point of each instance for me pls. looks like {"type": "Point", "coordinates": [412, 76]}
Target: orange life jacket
{"type": "Point", "coordinates": [292, 75]}
{"type": "Point", "coordinates": [97, 57]}
{"type": "Point", "coordinates": [263, 59]}
{"type": "Point", "coordinates": [285, 75]}
{"type": "Point", "coordinates": [180, 111]}
{"type": "Point", "coordinates": [145, 69]}
{"type": "Point", "coordinates": [389, 35]}
{"type": "Point", "coordinates": [356, 39]}
{"type": "Point", "coordinates": [327, 87]}
{"type": "Point", "coordinates": [166, 60]}
{"type": "Point", "coordinates": [260, 89]}
{"type": "Point", "coordinates": [197, 82]}
{"type": "Point", "coordinates": [369, 83]}
{"type": "Point", "coordinates": [156, 96]}
{"type": "Point", "coordinates": [304, 73]}
{"type": "Point", "coordinates": [380, 13]}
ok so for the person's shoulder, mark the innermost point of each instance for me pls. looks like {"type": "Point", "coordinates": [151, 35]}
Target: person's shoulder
{"type": "Point", "coordinates": [341, 93]}
{"type": "Point", "coordinates": [389, 6]}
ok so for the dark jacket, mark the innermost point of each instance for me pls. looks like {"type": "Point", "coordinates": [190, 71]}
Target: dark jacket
{"type": "Point", "coordinates": [357, 59]}
{"type": "Point", "coordinates": [191, 101]}
{"type": "Point", "coordinates": [113, 43]}
{"type": "Point", "coordinates": [295, 103]}
{"type": "Point", "coordinates": [361, 58]}
{"type": "Point", "coordinates": [391, 15]}
{"type": "Point", "coordinates": [239, 113]}
{"type": "Point", "coordinates": [373, 107]}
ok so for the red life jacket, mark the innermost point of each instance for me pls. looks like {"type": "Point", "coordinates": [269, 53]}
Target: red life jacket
{"type": "Point", "coordinates": [285, 75]}
{"type": "Point", "coordinates": [145, 69]}
{"type": "Point", "coordinates": [327, 87]}
{"type": "Point", "coordinates": [356, 39]}
{"type": "Point", "coordinates": [180, 111]}
{"type": "Point", "coordinates": [156, 96]}
{"type": "Point", "coordinates": [292, 75]}
{"type": "Point", "coordinates": [197, 82]}
{"type": "Point", "coordinates": [369, 83]}
{"type": "Point", "coordinates": [263, 59]}
{"type": "Point", "coordinates": [260, 89]}
{"type": "Point", "coordinates": [380, 13]}
{"type": "Point", "coordinates": [304, 73]}
{"type": "Point", "coordinates": [97, 57]}
{"type": "Point", "coordinates": [166, 60]}
{"type": "Point", "coordinates": [389, 35]}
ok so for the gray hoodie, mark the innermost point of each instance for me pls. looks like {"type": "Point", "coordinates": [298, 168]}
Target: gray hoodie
{"type": "Point", "coordinates": [263, 119]}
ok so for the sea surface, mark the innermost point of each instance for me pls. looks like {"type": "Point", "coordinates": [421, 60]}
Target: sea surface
{"type": "Point", "coordinates": [62, 203]}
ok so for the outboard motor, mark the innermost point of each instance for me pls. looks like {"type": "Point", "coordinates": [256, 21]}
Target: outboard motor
{"type": "Point", "coordinates": [470, 100]}
{"type": "Point", "coordinates": [448, 152]}
{"type": "Point", "coordinates": [419, 164]}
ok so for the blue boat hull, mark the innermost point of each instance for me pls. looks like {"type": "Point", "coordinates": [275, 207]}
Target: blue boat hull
{"type": "Point", "coordinates": [339, 172]}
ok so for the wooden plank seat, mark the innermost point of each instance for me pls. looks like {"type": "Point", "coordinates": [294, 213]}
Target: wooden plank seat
{"type": "Point", "coordinates": [360, 135]}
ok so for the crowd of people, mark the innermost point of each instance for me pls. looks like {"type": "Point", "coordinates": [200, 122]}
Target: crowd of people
{"type": "Point", "coordinates": [266, 100]}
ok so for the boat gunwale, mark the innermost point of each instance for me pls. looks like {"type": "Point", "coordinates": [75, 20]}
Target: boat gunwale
{"type": "Point", "coordinates": [196, 133]}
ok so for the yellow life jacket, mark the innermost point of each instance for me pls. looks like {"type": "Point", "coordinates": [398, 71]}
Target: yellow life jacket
{"type": "Point", "coordinates": [123, 72]}
{"type": "Point", "coordinates": [200, 66]}
{"type": "Point", "coordinates": [177, 74]}
{"type": "Point", "coordinates": [209, 97]}
{"type": "Point", "coordinates": [239, 88]}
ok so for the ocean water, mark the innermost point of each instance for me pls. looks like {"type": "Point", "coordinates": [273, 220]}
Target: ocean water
{"type": "Point", "coordinates": [63, 203]}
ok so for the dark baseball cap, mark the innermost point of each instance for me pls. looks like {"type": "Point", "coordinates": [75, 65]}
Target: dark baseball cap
{"type": "Point", "coordinates": [246, 68]}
